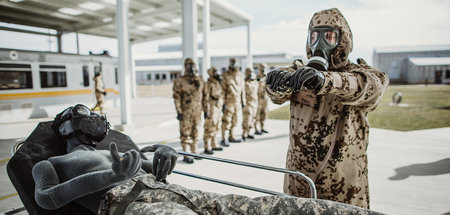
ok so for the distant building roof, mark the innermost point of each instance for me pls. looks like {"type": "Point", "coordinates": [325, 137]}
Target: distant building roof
{"type": "Point", "coordinates": [412, 48]}
{"type": "Point", "coordinates": [429, 61]}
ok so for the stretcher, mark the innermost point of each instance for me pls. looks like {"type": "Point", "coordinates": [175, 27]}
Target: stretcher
{"type": "Point", "coordinates": [43, 143]}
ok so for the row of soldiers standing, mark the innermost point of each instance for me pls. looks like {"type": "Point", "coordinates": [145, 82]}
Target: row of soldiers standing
{"type": "Point", "coordinates": [220, 97]}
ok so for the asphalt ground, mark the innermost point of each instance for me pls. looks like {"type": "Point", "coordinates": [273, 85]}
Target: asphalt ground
{"type": "Point", "coordinates": [408, 171]}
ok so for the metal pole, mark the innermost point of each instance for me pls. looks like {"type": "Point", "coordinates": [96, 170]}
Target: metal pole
{"type": "Point", "coordinates": [78, 43]}
{"type": "Point", "coordinates": [249, 50]}
{"type": "Point", "coordinates": [132, 72]}
{"type": "Point", "coordinates": [124, 80]}
{"type": "Point", "coordinates": [59, 40]}
{"type": "Point", "coordinates": [206, 29]}
{"type": "Point", "coordinates": [274, 169]}
{"type": "Point", "coordinates": [189, 14]}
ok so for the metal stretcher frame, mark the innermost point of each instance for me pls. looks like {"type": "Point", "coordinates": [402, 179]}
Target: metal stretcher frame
{"type": "Point", "coordinates": [258, 166]}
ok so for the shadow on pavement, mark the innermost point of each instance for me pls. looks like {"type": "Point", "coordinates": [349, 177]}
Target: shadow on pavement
{"type": "Point", "coordinates": [434, 168]}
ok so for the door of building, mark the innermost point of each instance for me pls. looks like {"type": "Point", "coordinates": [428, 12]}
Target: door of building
{"type": "Point", "coordinates": [438, 77]}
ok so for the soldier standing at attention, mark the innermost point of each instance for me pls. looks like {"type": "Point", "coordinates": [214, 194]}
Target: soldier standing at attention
{"type": "Point", "coordinates": [261, 113]}
{"type": "Point", "coordinates": [330, 99]}
{"type": "Point", "coordinates": [249, 111]}
{"type": "Point", "coordinates": [187, 93]}
{"type": "Point", "coordinates": [233, 93]}
{"type": "Point", "coordinates": [100, 92]}
{"type": "Point", "coordinates": [212, 104]}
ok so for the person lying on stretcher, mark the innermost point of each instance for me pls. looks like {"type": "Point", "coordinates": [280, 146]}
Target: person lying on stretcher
{"type": "Point", "coordinates": [84, 174]}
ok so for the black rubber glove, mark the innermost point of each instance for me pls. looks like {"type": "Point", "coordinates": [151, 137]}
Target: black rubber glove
{"type": "Point", "coordinates": [206, 115]}
{"type": "Point", "coordinates": [126, 165]}
{"type": "Point", "coordinates": [104, 93]}
{"type": "Point", "coordinates": [243, 105]}
{"type": "Point", "coordinates": [311, 78]}
{"type": "Point", "coordinates": [164, 160]}
{"type": "Point", "coordinates": [278, 80]}
{"type": "Point", "coordinates": [180, 116]}
{"type": "Point", "coordinates": [224, 107]}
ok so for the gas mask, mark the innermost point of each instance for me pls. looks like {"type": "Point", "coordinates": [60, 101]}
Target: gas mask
{"type": "Point", "coordinates": [249, 75]}
{"type": "Point", "coordinates": [189, 68]}
{"type": "Point", "coordinates": [233, 64]}
{"type": "Point", "coordinates": [322, 41]}
{"type": "Point", "coordinates": [88, 127]}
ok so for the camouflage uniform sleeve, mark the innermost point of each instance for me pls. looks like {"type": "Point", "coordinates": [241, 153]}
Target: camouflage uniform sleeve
{"type": "Point", "coordinates": [206, 93]}
{"type": "Point", "coordinates": [361, 86]}
{"type": "Point", "coordinates": [177, 95]}
{"type": "Point", "coordinates": [280, 97]}
{"type": "Point", "coordinates": [243, 98]}
{"type": "Point", "coordinates": [99, 87]}
{"type": "Point", "coordinates": [224, 84]}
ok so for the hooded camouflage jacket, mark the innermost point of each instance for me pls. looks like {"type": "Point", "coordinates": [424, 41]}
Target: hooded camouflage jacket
{"type": "Point", "coordinates": [233, 87]}
{"type": "Point", "coordinates": [337, 111]}
{"type": "Point", "coordinates": [188, 93]}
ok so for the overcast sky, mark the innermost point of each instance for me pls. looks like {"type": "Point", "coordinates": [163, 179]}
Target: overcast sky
{"type": "Point", "coordinates": [281, 26]}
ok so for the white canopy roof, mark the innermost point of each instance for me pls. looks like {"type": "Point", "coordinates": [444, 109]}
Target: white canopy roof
{"type": "Point", "coordinates": [148, 19]}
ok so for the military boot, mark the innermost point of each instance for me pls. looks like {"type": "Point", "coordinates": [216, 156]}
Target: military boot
{"type": "Point", "coordinates": [224, 143]}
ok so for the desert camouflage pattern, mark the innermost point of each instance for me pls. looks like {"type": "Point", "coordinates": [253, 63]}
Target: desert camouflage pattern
{"type": "Point", "coordinates": [212, 104]}
{"type": "Point", "coordinates": [261, 112]}
{"type": "Point", "coordinates": [349, 93]}
{"type": "Point", "coordinates": [234, 96]}
{"type": "Point", "coordinates": [159, 198]}
{"type": "Point", "coordinates": [251, 106]}
{"type": "Point", "coordinates": [187, 95]}
{"type": "Point", "coordinates": [99, 90]}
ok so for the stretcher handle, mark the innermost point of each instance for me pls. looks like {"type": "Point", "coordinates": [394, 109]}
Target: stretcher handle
{"type": "Point", "coordinates": [311, 184]}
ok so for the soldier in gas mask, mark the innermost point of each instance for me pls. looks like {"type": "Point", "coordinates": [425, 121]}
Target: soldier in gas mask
{"type": "Point", "coordinates": [234, 95]}
{"type": "Point", "coordinates": [261, 112]}
{"type": "Point", "coordinates": [100, 92]}
{"type": "Point", "coordinates": [330, 99]}
{"type": "Point", "coordinates": [249, 111]}
{"type": "Point", "coordinates": [212, 104]}
{"type": "Point", "coordinates": [187, 94]}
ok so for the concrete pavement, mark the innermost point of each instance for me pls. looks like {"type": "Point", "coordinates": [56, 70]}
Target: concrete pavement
{"type": "Point", "coordinates": [408, 171]}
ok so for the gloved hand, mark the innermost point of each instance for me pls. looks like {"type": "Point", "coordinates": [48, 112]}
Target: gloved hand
{"type": "Point", "coordinates": [224, 107]}
{"type": "Point", "coordinates": [180, 116]}
{"type": "Point", "coordinates": [206, 115]}
{"type": "Point", "coordinates": [311, 78]}
{"type": "Point", "coordinates": [104, 93]}
{"type": "Point", "coordinates": [243, 105]}
{"type": "Point", "coordinates": [164, 160]}
{"type": "Point", "coordinates": [278, 80]}
{"type": "Point", "coordinates": [126, 166]}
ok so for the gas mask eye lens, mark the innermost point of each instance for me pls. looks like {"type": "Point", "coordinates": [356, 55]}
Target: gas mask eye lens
{"type": "Point", "coordinates": [331, 37]}
{"type": "Point", "coordinates": [313, 37]}
{"type": "Point", "coordinates": [82, 110]}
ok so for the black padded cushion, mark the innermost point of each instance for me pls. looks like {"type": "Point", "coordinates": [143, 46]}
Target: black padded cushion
{"type": "Point", "coordinates": [40, 145]}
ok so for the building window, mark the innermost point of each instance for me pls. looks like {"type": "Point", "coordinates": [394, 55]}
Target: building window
{"type": "Point", "coordinates": [85, 76]}
{"type": "Point", "coordinates": [149, 77]}
{"type": "Point", "coordinates": [116, 74]}
{"type": "Point", "coordinates": [164, 77]}
{"type": "Point", "coordinates": [53, 76]}
{"type": "Point", "coordinates": [15, 76]}
{"type": "Point", "coordinates": [157, 76]}
{"type": "Point", "coordinates": [447, 74]}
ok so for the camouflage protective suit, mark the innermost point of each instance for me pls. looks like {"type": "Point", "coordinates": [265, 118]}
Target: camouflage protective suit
{"type": "Point", "coordinates": [187, 95]}
{"type": "Point", "coordinates": [212, 104]}
{"type": "Point", "coordinates": [159, 198]}
{"type": "Point", "coordinates": [99, 93]}
{"type": "Point", "coordinates": [249, 110]}
{"type": "Point", "coordinates": [337, 111]}
{"type": "Point", "coordinates": [261, 112]}
{"type": "Point", "coordinates": [234, 96]}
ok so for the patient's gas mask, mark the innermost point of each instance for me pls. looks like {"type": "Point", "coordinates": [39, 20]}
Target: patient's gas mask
{"type": "Point", "coordinates": [322, 41]}
{"type": "Point", "coordinates": [233, 65]}
{"type": "Point", "coordinates": [79, 121]}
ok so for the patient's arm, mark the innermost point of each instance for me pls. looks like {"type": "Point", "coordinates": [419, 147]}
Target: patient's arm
{"type": "Point", "coordinates": [51, 194]}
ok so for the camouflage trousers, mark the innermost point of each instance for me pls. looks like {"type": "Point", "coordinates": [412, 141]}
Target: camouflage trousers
{"type": "Point", "coordinates": [211, 127]}
{"type": "Point", "coordinates": [100, 101]}
{"type": "Point", "coordinates": [159, 198]}
{"type": "Point", "coordinates": [248, 119]}
{"type": "Point", "coordinates": [261, 114]}
{"type": "Point", "coordinates": [189, 127]}
{"type": "Point", "coordinates": [229, 119]}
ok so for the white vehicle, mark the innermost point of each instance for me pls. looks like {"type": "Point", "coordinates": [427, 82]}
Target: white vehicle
{"type": "Point", "coordinates": [39, 84]}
